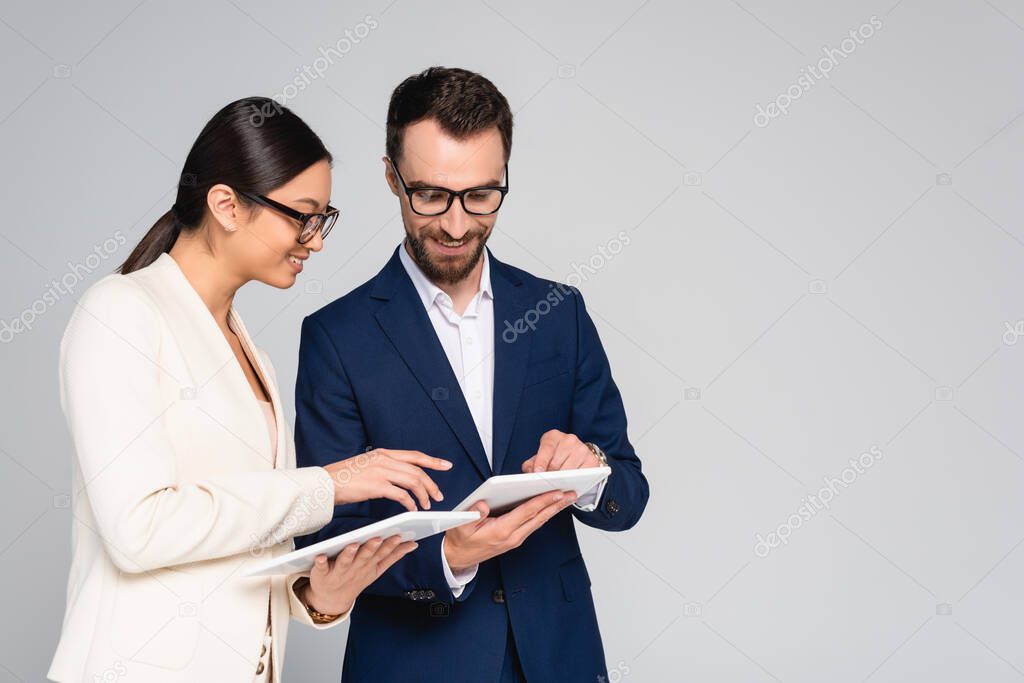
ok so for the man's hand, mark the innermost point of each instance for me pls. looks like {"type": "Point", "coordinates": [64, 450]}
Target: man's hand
{"type": "Point", "coordinates": [471, 544]}
{"type": "Point", "coordinates": [560, 451]}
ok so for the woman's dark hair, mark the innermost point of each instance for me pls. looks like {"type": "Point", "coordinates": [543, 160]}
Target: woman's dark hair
{"type": "Point", "coordinates": [462, 102]}
{"type": "Point", "coordinates": [253, 145]}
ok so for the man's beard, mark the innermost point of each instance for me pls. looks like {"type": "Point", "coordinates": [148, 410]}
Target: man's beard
{"type": "Point", "coordinates": [446, 270]}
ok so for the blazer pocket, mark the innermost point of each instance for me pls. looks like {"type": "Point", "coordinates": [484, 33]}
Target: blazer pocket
{"type": "Point", "coordinates": [544, 370]}
{"type": "Point", "coordinates": [155, 617]}
{"type": "Point", "coordinates": [575, 579]}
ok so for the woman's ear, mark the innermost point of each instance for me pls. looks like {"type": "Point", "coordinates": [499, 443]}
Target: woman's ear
{"type": "Point", "coordinates": [223, 205]}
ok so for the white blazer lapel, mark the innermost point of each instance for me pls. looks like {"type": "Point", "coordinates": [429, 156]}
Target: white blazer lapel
{"type": "Point", "coordinates": [270, 381]}
{"type": "Point", "coordinates": [219, 385]}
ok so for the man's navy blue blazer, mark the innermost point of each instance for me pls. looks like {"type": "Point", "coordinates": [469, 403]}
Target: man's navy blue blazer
{"type": "Point", "coordinates": [372, 374]}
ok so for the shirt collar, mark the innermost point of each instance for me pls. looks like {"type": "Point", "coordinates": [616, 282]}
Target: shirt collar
{"type": "Point", "coordinates": [430, 293]}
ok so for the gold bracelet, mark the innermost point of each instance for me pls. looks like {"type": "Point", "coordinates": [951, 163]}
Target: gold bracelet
{"type": "Point", "coordinates": [317, 617]}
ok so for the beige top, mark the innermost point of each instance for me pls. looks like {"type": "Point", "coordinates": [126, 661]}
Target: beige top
{"type": "Point", "coordinates": [268, 412]}
{"type": "Point", "coordinates": [263, 670]}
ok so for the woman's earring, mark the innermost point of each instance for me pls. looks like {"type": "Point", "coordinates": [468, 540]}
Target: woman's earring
{"type": "Point", "coordinates": [230, 227]}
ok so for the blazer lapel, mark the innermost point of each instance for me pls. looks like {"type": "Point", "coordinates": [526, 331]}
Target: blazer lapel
{"type": "Point", "coordinates": [510, 355]}
{"type": "Point", "coordinates": [405, 322]}
{"type": "Point", "coordinates": [277, 457]}
{"type": "Point", "coordinates": [212, 363]}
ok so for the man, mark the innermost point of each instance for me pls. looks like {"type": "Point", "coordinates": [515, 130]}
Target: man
{"type": "Point", "coordinates": [453, 353]}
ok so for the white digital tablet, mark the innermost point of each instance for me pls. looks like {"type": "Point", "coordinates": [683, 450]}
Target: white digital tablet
{"type": "Point", "coordinates": [411, 526]}
{"type": "Point", "coordinates": [504, 492]}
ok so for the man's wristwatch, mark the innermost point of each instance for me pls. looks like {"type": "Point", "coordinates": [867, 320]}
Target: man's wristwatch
{"type": "Point", "coordinates": [596, 450]}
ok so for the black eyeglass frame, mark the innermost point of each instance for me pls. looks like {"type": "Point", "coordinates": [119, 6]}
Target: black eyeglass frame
{"type": "Point", "coordinates": [328, 218]}
{"type": "Point", "coordinates": [452, 194]}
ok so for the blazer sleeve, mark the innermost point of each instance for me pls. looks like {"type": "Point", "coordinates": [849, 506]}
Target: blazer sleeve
{"type": "Point", "coordinates": [110, 380]}
{"type": "Point", "coordinates": [298, 610]}
{"type": "Point", "coordinates": [329, 427]}
{"type": "Point", "coordinates": [599, 417]}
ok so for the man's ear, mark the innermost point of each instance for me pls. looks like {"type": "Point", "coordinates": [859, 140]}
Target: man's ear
{"type": "Point", "coordinates": [389, 176]}
{"type": "Point", "coordinates": [223, 204]}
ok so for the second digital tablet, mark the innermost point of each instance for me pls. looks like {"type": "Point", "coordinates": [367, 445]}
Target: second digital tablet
{"type": "Point", "coordinates": [506, 491]}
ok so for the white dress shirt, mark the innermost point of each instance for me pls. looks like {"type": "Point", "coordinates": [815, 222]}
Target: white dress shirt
{"type": "Point", "coordinates": [468, 341]}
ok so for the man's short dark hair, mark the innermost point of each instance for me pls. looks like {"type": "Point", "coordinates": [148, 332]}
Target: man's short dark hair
{"type": "Point", "coordinates": [461, 101]}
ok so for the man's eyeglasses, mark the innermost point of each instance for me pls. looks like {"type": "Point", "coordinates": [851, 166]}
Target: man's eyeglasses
{"type": "Point", "coordinates": [310, 222]}
{"type": "Point", "coordinates": [434, 201]}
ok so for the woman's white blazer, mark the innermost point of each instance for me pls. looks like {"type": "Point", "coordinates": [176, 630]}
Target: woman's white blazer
{"type": "Point", "coordinates": [174, 490]}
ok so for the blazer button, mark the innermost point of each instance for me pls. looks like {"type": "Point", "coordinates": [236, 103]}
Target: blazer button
{"type": "Point", "coordinates": [612, 507]}
{"type": "Point", "coordinates": [498, 596]}
{"type": "Point", "coordinates": [259, 668]}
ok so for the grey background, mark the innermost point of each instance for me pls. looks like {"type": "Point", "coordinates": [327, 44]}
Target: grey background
{"type": "Point", "coordinates": [848, 276]}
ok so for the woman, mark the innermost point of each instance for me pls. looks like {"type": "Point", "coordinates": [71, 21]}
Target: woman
{"type": "Point", "coordinates": [185, 465]}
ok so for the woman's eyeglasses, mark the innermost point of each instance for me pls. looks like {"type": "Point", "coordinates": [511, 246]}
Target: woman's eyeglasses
{"type": "Point", "coordinates": [310, 222]}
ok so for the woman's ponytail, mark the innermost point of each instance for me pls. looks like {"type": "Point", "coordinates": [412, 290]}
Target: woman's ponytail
{"type": "Point", "coordinates": [160, 238]}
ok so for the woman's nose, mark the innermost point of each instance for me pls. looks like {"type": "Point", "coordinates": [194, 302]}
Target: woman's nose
{"type": "Point", "coordinates": [316, 243]}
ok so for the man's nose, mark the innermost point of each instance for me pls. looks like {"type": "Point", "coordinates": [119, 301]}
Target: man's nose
{"type": "Point", "coordinates": [456, 222]}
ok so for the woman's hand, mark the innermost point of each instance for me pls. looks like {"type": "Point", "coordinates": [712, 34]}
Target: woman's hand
{"type": "Point", "coordinates": [334, 584]}
{"type": "Point", "coordinates": [384, 473]}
